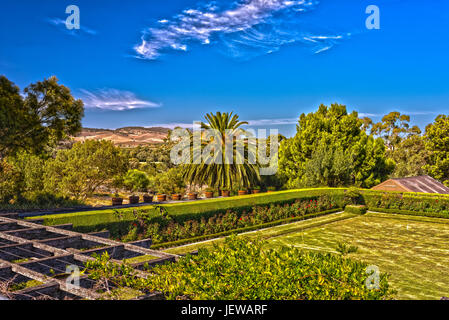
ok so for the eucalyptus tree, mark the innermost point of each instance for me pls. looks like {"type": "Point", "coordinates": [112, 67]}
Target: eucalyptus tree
{"type": "Point", "coordinates": [46, 114]}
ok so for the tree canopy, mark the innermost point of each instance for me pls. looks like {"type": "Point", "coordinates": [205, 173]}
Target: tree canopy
{"type": "Point", "coordinates": [331, 148]}
{"type": "Point", "coordinates": [219, 169]}
{"type": "Point", "coordinates": [437, 143]}
{"type": "Point", "coordinates": [45, 115]}
{"type": "Point", "coordinates": [79, 171]}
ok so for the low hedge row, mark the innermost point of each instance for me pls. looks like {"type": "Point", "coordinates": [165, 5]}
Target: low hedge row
{"type": "Point", "coordinates": [405, 201]}
{"type": "Point", "coordinates": [242, 230]}
{"type": "Point", "coordinates": [412, 213]}
{"type": "Point", "coordinates": [356, 209]}
{"type": "Point", "coordinates": [108, 219]}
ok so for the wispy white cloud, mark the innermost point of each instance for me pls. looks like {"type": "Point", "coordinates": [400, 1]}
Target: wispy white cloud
{"type": "Point", "coordinates": [254, 123]}
{"type": "Point", "coordinates": [62, 24]}
{"type": "Point", "coordinates": [272, 122]}
{"type": "Point", "coordinates": [242, 29]}
{"type": "Point", "coordinates": [114, 100]}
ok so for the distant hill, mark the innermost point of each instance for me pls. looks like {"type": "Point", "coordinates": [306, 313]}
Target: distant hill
{"type": "Point", "coordinates": [125, 137]}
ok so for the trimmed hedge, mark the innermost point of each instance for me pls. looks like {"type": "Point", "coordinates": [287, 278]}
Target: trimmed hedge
{"type": "Point", "coordinates": [242, 230]}
{"type": "Point", "coordinates": [356, 209]}
{"type": "Point", "coordinates": [411, 202]}
{"type": "Point", "coordinates": [412, 213]}
{"type": "Point", "coordinates": [93, 221]}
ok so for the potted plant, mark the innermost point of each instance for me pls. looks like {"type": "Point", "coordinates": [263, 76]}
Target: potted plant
{"type": "Point", "coordinates": [225, 192]}
{"type": "Point", "coordinates": [161, 197]}
{"type": "Point", "coordinates": [242, 191]}
{"type": "Point", "coordinates": [133, 199]}
{"type": "Point", "coordinates": [209, 193]}
{"type": "Point", "coordinates": [117, 200]}
{"type": "Point", "coordinates": [256, 190]}
{"type": "Point", "coordinates": [148, 198]}
{"type": "Point", "coordinates": [117, 183]}
{"type": "Point", "coordinates": [176, 196]}
{"type": "Point", "coordinates": [192, 195]}
{"type": "Point", "coordinates": [271, 189]}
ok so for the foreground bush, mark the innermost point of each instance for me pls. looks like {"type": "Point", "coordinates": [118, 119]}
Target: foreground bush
{"type": "Point", "coordinates": [241, 269]}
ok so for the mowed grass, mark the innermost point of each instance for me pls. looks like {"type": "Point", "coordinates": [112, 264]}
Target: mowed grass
{"type": "Point", "coordinates": [413, 250]}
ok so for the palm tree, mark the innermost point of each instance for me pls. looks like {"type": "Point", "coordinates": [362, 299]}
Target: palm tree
{"type": "Point", "coordinates": [223, 173]}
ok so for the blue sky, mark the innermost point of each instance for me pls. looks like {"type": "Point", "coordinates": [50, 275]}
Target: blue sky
{"type": "Point", "coordinates": [148, 63]}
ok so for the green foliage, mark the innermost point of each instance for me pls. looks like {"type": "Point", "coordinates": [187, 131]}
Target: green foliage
{"type": "Point", "coordinates": [169, 230]}
{"type": "Point", "coordinates": [79, 171]}
{"type": "Point", "coordinates": [106, 219]}
{"type": "Point", "coordinates": [344, 249]}
{"type": "Point", "coordinates": [241, 269]}
{"type": "Point", "coordinates": [437, 142]}
{"type": "Point", "coordinates": [244, 229]}
{"type": "Point", "coordinates": [393, 128]}
{"type": "Point", "coordinates": [32, 173]}
{"type": "Point", "coordinates": [331, 149]}
{"type": "Point", "coordinates": [218, 169]}
{"type": "Point", "coordinates": [329, 166]}
{"type": "Point", "coordinates": [46, 115]}
{"type": "Point", "coordinates": [356, 209]}
{"type": "Point", "coordinates": [170, 182]}
{"type": "Point", "coordinates": [136, 180]}
{"type": "Point", "coordinates": [353, 194]}
{"type": "Point", "coordinates": [9, 181]}
{"type": "Point", "coordinates": [442, 215]}
{"type": "Point", "coordinates": [407, 201]}
{"type": "Point", "coordinates": [411, 157]}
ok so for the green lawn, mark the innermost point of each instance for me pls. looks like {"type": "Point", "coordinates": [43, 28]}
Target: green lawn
{"type": "Point", "coordinates": [413, 250]}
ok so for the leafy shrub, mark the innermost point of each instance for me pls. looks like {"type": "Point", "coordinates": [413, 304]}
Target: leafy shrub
{"type": "Point", "coordinates": [136, 180]}
{"type": "Point", "coordinates": [241, 269]}
{"type": "Point", "coordinates": [9, 181]}
{"type": "Point", "coordinates": [353, 195]}
{"type": "Point", "coordinates": [406, 201]}
{"type": "Point", "coordinates": [356, 209]}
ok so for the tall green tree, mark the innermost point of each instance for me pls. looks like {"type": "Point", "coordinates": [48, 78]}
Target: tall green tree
{"type": "Point", "coordinates": [331, 148]}
{"type": "Point", "coordinates": [47, 114]}
{"type": "Point", "coordinates": [217, 169]}
{"type": "Point", "coordinates": [411, 157]}
{"type": "Point", "coordinates": [78, 172]}
{"type": "Point", "coordinates": [393, 128]}
{"type": "Point", "coordinates": [436, 140]}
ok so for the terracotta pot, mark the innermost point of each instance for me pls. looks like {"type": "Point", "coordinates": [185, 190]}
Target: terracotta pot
{"type": "Point", "coordinates": [134, 199]}
{"type": "Point", "coordinates": [209, 194]}
{"type": "Point", "coordinates": [147, 198]}
{"type": "Point", "coordinates": [176, 197]}
{"type": "Point", "coordinates": [242, 192]}
{"type": "Point", "coordinates": [192, 196]}
{"type": "Point", "coordinates": [117, 201]}
{"type": "Point", "coordinates": [161, 197]}
{"type": "Point", "coordinates": [225, 193]}
{"type": "Point", "coordinates": [256, 191]}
